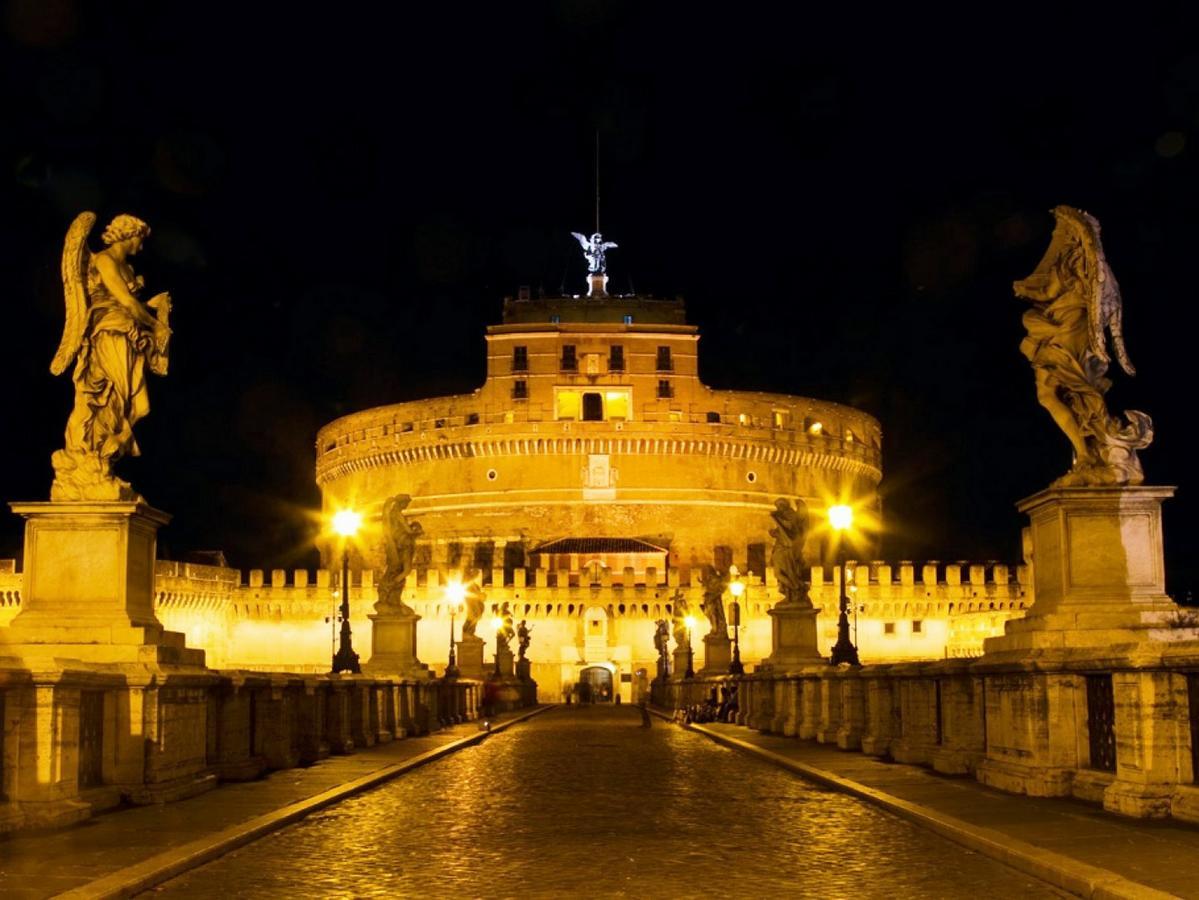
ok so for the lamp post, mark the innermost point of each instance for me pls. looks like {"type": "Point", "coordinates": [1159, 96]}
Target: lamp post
{"type": "Point", "coordinates": [346, 523]}
{"type": "Point", "coordinates": [689, 621]}
{"type": "Point", "coordinates": [736, 588]}
{"type": "Point", "coordinates": [841, 520]}
{"type": "Point", "coordinates": [499, 633]}
{"type": "Point", "coordinates": [455, 593]}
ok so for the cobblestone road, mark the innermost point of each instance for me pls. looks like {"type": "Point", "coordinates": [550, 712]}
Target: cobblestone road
{"type": "Point", "coordinates": [583, 802]}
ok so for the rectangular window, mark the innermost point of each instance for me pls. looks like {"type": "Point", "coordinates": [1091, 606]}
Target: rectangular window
{"type": "Point", "coordinates": [570, 362]}
{"type": "Point", "coordinates": [628, 319]}
{"type": "Point", "coordinates": [554, 320]}
{"type": "Point", "coordinates": [616, 358]}
{"type": "Point", "coordinates": [917, 626]}
{"type": "Point", "coordinates": [664, 389]}
{"type": "Point", "coordinates": [568, 406]}
{"type": "Point", "coordinates": [665, 363]}
{"type": "Point", "coordinates": [520, 389]}
{"type": "Point", "coordinates": [714, 417]}
{"type": "Point", "coordinates": [472, 418]}
{"type": "Point", "coordinates": [617, 403]}
{"type": "Point", "coordinates": [520, 359]}
{"type": "Point", "coordinates": [888, 628]}
{"type": "Point", "coordinates": [780, 418]}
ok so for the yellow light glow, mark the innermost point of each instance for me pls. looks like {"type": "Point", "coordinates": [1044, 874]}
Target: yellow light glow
{"type": "Point", "coordinates": [617, 405]}
{"type": "Point", "coordinates": [815, 428]}
{"type": "Point", "coordinates": [840, 517]}
{"type": "Point", "coordinates": [690, 622]}
{"type": "Point", "coordinates": [346, 522]}
{"type": "Point", "coordinates": [455, 593]}
{"type": "Point", "coordinates": [737, 588]}
{"type": "Point", "coordinates": [569, 405]}
{"type": "Point", "coordinates": [498, 623]}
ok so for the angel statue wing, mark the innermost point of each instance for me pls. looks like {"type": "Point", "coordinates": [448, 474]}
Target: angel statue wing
{"type": "Point", "coordinates": [609, 245]}
{"type": "Point", "coordinates": [75, 256]}
{"type": "Point", "coordinates": [583, 240]}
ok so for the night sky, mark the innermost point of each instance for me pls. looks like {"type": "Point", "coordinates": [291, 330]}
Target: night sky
{"type": "Point", "coordinates": [339, 204]}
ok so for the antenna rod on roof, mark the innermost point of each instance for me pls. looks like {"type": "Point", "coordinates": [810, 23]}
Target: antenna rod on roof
{"type": "Point", "coordinates": [597, 149]}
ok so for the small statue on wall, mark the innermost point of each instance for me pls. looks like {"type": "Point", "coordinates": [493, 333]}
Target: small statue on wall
{"type": "Point", "coordinates": [523, 636]}
{"type": "Point", "coordinates": [661, 638]}
{"type": "Point", "coordinates": [473, 604]}
{"type": "Point", "coordinates": [716, 583]}
{"type": "Point", "coordinates": [112, 337]}
{"type": "Point", "coordinates": [506, 632]}
{"type": "Point", "coordinates": [787, 555]}
{"type": "Point", "coordinates": [679, 610]}
{"type": "Point", "coordinates": [1077, 303]}
{"type": "Point", "coordinates": [399, 550]}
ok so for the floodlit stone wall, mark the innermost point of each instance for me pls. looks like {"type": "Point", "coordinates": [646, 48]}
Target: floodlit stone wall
{"type": "Point", "coordinates": [283, 621]}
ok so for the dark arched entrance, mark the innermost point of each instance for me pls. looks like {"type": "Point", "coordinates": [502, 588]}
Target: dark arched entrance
{"type": "Point", "coordinates": [595, 685]}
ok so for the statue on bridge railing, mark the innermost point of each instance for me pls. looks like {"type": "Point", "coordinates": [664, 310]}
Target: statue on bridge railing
{"type": "Point", "coordinates": [523, 636]}
{"type": "Point", "coordinates": [662, 645]}
{"type": "Point", "coordinates": [473, 604]}
{"type": "Point", "coordinates": [716, 583]}
{"type": "Point", "coordinates": [112, 337]}
{"type": "Point", "coordinates": [1077, 302]}
{"type": "Point", "coordinates": [399, 546]}
{"type": "Point", "coordinates": [679, 610]}
{"type": "Point", "coordinates": [506, 632]}
{"type": "Point", "coordinates": [787, 555]}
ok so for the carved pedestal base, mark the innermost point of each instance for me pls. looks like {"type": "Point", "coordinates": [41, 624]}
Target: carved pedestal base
{"type": "Point", "coordinates": [393, 645]}
{"type": "Point", "coordinates": [89, 586]}
{"type": "Point", "coordinates": [682, 661]}
{"type": "Point", "coordinates": [504, 663]}
{"type": "Point", "coordinates": [793, 637]}
{"type": "Point", "coordinates": [470, 657]}
{"type": "Point", "coordinates": [718, 653]}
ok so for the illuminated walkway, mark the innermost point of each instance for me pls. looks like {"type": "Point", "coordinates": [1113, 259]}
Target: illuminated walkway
{"type": "Point", "coordinates": [585, 802]}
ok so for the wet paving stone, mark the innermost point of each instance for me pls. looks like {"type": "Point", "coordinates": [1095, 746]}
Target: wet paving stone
{"type": "Point", "coordinates": [584, 802]}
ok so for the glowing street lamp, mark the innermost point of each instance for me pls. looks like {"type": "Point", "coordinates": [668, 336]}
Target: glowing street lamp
{"type": "Point", "coordinates": [499, 634]}
{"type": "Point", "coordinates": [455, 595]}
{"type": "Point", "coordinates": [840, 518]}
{"type": "Point", "coordinates": [736, 588]}
{"type": "Point", "coordinates": [689, 621]}
{"type": "Point", "coordinates": [346, 523]}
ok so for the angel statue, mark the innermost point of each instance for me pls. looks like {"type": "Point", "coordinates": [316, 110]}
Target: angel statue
{"type": "Point", "coordinates": [1076, 304]}
{"type": "Point", "coordinates": [679, 610]}
{"type": "Point", "coordinates": [399, 551]}
{"type": "Point", "coordinates": [787, 555]}
{"type": "Point", "coordinates": [716, 583]}
{"type": "Point", "coordinates": [595, 248]}
{"type": "Point", "coordinates": [112, 337]}
{"type": "Point", "coordinates": [524, 633]}
{"type": "Point", "coordinates": [474, 605]}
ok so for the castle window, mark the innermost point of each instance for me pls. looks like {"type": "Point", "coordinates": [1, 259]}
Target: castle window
{"type": "Point", "coordinates": [714, 417]}
{"type": "Point", "coordinates": [570, 362]}
{"type": "Point", "coordinates": [849, 436]}
{"type": "Point", "coordinates": [568, 405]}
{"type": "Point", "coordinates": [616, 358]}
{"type": "Point", "coordinates": [407, 426]}
{"type": "Point", "coordinates": [520, 359]}
{"type": "Point", "coordinates": [439, 423]}
{"type": "Point", "coordinates": [888, 628]}
{"type": "Point", "coordinates": [554, 320]}
{"type": "Point", "coordinates": [664, 389]}
{"type": "Point", "coordinates": [618, 403]}
{"type": "Point", "coordinates": [814, 427]}
{"type": "Point", "coordinates": [520, 389]}
{"type": "Point", "coordinates": [917, 626]}
{"type": "Point", "coordinates": [780, 418]}
{"type": "Point", "coordinates": [628, 318]}
{"type": "Point", "coordinates": [472, 418]}
{"type": "Point", "coordinates": [664, 363]}
{"type": "Point", "coordinates": [743, 419]}
{"type": "Point", "coordinates": [593, 407]}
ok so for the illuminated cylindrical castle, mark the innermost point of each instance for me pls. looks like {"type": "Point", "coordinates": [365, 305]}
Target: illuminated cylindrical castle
{"type": "Point", "coordinates": [593, 428]}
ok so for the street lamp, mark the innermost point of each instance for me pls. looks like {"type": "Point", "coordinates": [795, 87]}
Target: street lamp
{"type": "Point", "coordinates": [499, 634]}
{"type": "Point", "coordinates": [689, 621]}
{"type": "Point", "coordinates": [346, 523]}
{"type": "Point", "coordinates": [455, 594]}
{"type": "Point", "coordinates": [736, 588]}
{"type": "Point", "coordinates": [841, 520]}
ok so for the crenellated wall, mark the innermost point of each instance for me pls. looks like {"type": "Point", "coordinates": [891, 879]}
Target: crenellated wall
{"type": "Point", "coordinates": [283, 621]}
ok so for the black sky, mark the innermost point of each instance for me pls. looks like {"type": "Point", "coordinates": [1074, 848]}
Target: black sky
{"type": "Point", "coordinates": [340, 201]}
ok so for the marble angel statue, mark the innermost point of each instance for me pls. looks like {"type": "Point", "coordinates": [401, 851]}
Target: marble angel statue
{"type": "Point", "coordinates": [113, 338]}
{"type": "Point", "coordinates": [595, 249]}
{"type": "Point", "coordinates": [1076, 304]}
{"type": "Point", "coordinates": [399, 552]}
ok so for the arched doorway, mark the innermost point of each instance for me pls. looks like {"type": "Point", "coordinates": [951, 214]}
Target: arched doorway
{"type": "Point", "coordinates": [595, 685]}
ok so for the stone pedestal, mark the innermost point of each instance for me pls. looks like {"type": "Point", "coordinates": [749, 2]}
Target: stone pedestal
{"type": "Point", "coordinates": [504, 663]}
{"type": "Point", "coordinates": [1100, 607]}
{"type": "Point", "coordinates": [718, 654]}
{"type": "Point", "coordinates": [682, 656]}
{"type": "Point", "coordinates": [393, 645]}
{"type": "Point", "coordinates": [524, 670]}
{"type": "Point", "coordinates": [89, 585]}
{"type": "Point", "coordinates": [470, 657]}
{"type": "Point", "coordinates": [1099, 576]}
{"type": "Point", "coordinates": [793, 637]}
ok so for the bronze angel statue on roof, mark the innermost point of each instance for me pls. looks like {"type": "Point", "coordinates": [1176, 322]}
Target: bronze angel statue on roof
{"type": "Point", "coordinates": [112, 337]}
{"type": "Point", "coordinates": [1077, 304]}
{"type": "Point", "coordinates": [595, 249]}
